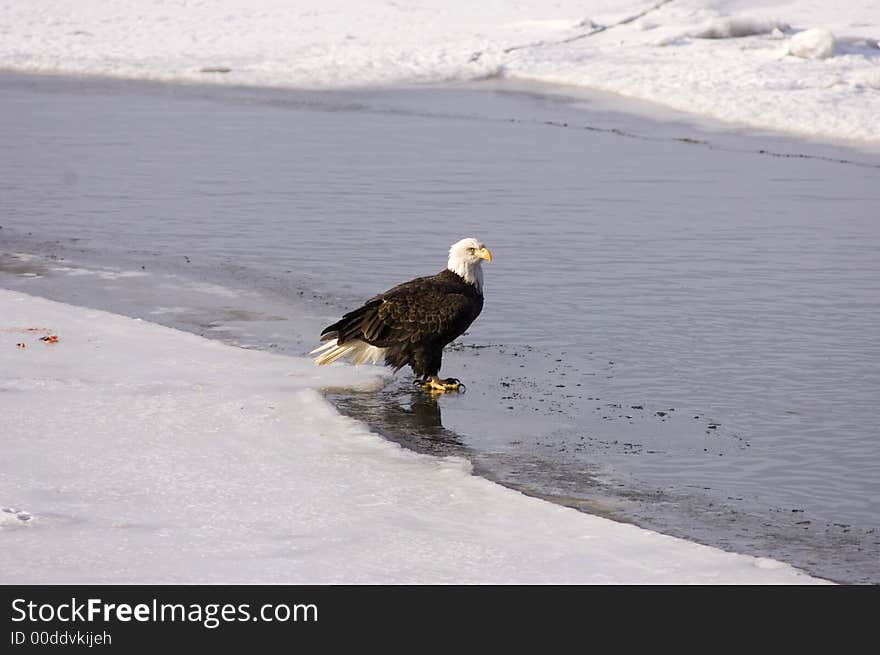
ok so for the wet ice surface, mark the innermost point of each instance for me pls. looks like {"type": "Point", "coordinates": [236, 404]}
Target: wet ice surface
{"type": "Point", "coordinates": [679, 330]}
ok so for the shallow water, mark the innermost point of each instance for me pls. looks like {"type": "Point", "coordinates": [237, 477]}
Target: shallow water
{"type": "Point", "coordinates": [680, 327]}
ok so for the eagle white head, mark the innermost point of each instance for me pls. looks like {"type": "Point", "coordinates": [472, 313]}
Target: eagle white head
{"type": "Point", "coordinates": [466, 257]}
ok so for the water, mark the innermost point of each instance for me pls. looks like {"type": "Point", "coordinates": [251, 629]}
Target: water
{"type": "Point", "coordinates": [680, 326]}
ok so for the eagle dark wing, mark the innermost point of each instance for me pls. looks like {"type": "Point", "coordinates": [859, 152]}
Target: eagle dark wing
{"type": "Point", "coordinates": [430, 310]}
{"type": "Point", "coordinates": [421, 313]}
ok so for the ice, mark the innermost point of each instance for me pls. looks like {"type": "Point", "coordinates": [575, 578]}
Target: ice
{"type": "Point", "coordinates": [9, 516]}
{"type": "Point", "coordinates": [336, 43]}
{"type": "Point", "coordinates": [145, 454]}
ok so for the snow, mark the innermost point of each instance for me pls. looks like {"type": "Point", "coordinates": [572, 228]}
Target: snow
{"type": "Point", "coordinates": [737, 27]}
{"type": "Point", "coordinates": [740, 61]}
{"type": "Point", "coordinates": [817, 43]}
{"type": "Point", "coordinates": [133, 452]}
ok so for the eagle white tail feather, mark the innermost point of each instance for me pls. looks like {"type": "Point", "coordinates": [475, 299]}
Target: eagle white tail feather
{"type": "Point", "coordinates": [323, 347]}
{"type": "Point", "coordinates": [359, 352]}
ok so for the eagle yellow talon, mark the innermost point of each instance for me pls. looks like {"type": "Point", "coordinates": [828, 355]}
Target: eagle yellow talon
{"type": "Point", "coordinates": [435, 385]}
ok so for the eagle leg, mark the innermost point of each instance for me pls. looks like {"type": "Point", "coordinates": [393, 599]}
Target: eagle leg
{"type": "Point", "coordinates": [434, 384]}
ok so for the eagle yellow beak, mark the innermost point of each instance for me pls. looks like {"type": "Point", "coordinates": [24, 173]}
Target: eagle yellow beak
{"type": "Point", "coordinates": [485, 254]}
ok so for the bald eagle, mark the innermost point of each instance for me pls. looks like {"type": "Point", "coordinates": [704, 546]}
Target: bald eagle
{"type": "Point", "coordinates": [411, 323]}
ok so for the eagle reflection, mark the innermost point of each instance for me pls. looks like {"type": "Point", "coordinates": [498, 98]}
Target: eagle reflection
{"type": "Point", "coordinates": [406, 416]}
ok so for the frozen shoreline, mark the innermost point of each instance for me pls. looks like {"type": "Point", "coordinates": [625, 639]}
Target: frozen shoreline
{"type": "Point", "coordinates": [794, 66]}
{"type": "Point", "coordinates": [138, 453]}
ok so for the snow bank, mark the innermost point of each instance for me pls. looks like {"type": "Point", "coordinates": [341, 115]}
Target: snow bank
{"type": "Point", "coordinates": [143, 454]}
{"type": "Point", "coordinates": [726, 59]}
{"type": "Point", "coordinates": [736, 27]}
